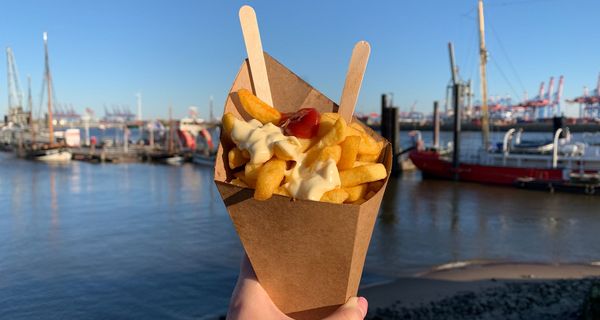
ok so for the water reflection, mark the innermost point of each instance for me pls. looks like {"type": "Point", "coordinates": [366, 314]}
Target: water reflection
{"type": "Point", "coordinates": [145, 240]}
{"type": "Point", "coordinates": [424, 223]}
{"type": "Point", "coordinates": [53, 200]}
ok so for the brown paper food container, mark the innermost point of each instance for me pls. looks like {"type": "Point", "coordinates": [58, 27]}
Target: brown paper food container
{"type": "Point", "coordinates": [308, 255]}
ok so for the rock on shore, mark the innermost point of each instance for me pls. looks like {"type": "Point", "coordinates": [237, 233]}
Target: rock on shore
{"type": "Point", "coordinates": [548, 299]}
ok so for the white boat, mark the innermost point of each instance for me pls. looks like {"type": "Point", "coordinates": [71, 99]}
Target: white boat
{"type": "Point", "coordinates": [50, 155]}
{"type": "Point", "coordinates": [192, 125]}
{"type": "Point", "coordinates": [174, 161]}
{"type": "Point", "coordinates": [51, 151]}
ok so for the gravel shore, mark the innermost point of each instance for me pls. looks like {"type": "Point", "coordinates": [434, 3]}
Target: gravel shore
{"type": "Point", "coordinates": [549, 299]}
{"type": "Point", "coordinates": [491, 291]}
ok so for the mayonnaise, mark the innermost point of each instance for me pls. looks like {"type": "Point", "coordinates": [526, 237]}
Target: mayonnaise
{"type": "Point", "coordinates": [303, 182]}
{"type": "Point", "coordinates": [259, 140]}
{"type": "Point", "coordinates": [311, 182]}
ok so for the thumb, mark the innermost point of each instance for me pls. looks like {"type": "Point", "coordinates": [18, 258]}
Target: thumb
{"type": "Point", "coordinates": [354, 309]}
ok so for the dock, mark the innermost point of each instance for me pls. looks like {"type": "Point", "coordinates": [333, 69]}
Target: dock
{"type": "Point", "coordinates": [108, 154]}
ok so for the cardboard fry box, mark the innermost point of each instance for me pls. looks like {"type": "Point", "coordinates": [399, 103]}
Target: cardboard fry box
{"type": "Point", "coordinates": [308, 255]}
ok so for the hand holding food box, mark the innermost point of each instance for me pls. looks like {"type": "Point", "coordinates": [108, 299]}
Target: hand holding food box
{"type": "Point", "coordinates": [301, 178]}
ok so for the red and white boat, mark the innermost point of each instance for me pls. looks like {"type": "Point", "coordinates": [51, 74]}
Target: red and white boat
{"type": "Point", "coordinates": [558, 160]}
{"type": "Point", "coordinates": [555, 161]}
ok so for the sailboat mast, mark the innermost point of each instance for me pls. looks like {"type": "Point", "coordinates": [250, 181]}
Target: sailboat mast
{"type": "Point", "coordinates": [30, 109]}
{"type": "Point", "coordinates": [170, 145]}
{"type": "Point", "coordinates": [485, 126]}
{"type": "Point", "coordinates": [49, 84]}
{"type": "Point", "coordinates": [29, 99]}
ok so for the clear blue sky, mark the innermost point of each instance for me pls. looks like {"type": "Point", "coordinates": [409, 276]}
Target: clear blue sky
{"type": "Point", "coordinates": [182, 52]}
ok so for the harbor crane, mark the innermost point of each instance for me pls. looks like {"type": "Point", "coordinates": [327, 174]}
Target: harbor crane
{"type": "Point", "coordinates": [16, 113]}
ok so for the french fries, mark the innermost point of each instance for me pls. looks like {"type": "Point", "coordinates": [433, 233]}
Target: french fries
{"type": "Point", "coordinates": [228, 120]}
{"type": "Point", "coordinates": [258, 109]}
{"type": "Point", "coordinates": [239, 182]}
{"type": "Point", "coordinates": [251, 173]}
{"type": "Point", "coordinates": [364, 174]}
{"type": "Point", "coordinates": [349, 152]}
{"type": "Point", "coordinates": [345, 153]}
{"type": "Point", "coordinates": [356, 192]}
{"type": "Point", "coordinates": [326, 122]}
{"type": "Point", "coordinates": [336, 134]}
{"type": "Point", "coordinates": [281, 152]}
{"type": "Point", "coordinates": [368, 145]}
{"type": "Point", "coordinates": [372, 158]}
{"type": "Point", "coordinates": [335, 196]}
{"type": "Point", "coordinates": [268, 179]}
{"type": "Point", "coordinates": [237, 158]}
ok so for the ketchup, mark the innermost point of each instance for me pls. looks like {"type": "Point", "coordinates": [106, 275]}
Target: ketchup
{"type": "Point", "coordinates": [303, 123]}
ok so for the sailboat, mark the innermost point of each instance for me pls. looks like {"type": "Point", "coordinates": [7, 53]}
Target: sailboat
{"type": "Point", "coordinates": [500, 166]}
{"type": "Point", "coordinates": [168, 156]}
{"type": "Point", "coordinates": [50, 151]}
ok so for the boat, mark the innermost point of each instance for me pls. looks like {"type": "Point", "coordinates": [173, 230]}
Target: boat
{"type": "Point", "coordinates": [192, 125]}
{"type": "Point", "coordinates": [511, 161]}
{"type": "Point", "coordinates": [55, 154]}
{"type": "Point", "coordinates": [204, 160]}
{"type": "Point", "coordinates": [587, 188]}
{"type": "Point", "coordinates": [204, 151]}
{"type": "Point", "coordinates": [166, 155]}
{"type": "Point", "coordinates": [50, 151]}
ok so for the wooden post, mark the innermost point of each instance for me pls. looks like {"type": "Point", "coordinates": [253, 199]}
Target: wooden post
{"type": "Point", "coordinates": [457, 117]}
{"type": "Point", "coordinates": [384, 116]}
{"type": "Point", "coordinates": [394, 127]}
{"type": "Point", "coordinates": [151, 142]}
{"type": "Point", "coordinates": [485, 126]}
{"type": "Point", "coordinates": [436, 125]}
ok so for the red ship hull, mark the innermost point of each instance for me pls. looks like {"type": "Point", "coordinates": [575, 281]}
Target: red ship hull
{"type": "Point", "coordinates": [432, 166]}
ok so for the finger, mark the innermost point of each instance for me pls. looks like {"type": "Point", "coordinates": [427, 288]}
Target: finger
{"type": "Point", "coordinates": [354, 309]}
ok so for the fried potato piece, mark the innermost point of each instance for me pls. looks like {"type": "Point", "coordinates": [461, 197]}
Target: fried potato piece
{"type": "Point", "coordinates": [305, 144]}
{"type": "Point", "coordinates": [356, 192]}
{"type": "Point", "coordinates": [350, 147]}
{"type": "Point", "coordinates": [326, 122]}
{"type": "Point", "coordinates": [358, 127]}
{"type": "Point", "coordinates": [335, 135]}
{"type": "Point", "coordinates": [236, 158]}
{"type": "Point", "coordinates": [359, 175]}
{"type": "Point", "coordinates": [353, 132]}
{"type": "Point", "coordinates": [269, 178]}
{"type": "Point", "coordinates": [239, 182]}
{"type": "Point", "coordinates": [368, 145]}
{"type": "Point", "coordinates": [335, 196]}
{"type": "Point", "coordinates": [332, 152]}
{"type": "Point", "coordinates": [370, 158]}
{"type": "Point", "coordinates": [227, 122]}
{"type": "Point", "coordinates": [323, 154]}
{"type": "Point", "coordinates": [281, 153]}
{"type": "Point", "coordinates": [241, 176]}
{"type": "Point", "coordinates": [257, 108]}
{"type": "Point", "coordinates": [358, 163]}
{"type": "Point", "coordinates": [282, 191]}
{"type": "Point", "coordinates": [251, 173]}
{"type": "Point", "coordinates": [359, 201]}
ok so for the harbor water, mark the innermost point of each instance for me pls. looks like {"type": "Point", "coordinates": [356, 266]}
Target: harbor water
{"type": "Point", "coordinates": [141, 241]}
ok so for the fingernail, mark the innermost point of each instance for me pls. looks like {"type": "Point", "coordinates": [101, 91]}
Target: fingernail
{"type": "Point", "coordinates": [363, 305]}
